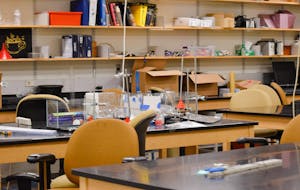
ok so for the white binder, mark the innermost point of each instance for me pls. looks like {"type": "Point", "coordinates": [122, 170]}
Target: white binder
{"type": "Point", "coordinates": [93, 12]}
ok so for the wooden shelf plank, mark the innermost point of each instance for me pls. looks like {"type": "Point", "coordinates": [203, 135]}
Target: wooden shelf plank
{"type": "Point", "coordinates": [153, 28]}
{"type": "Point", "coordinates": [139, 58]}
{"type": "Point", "coordinates": [259, 1]}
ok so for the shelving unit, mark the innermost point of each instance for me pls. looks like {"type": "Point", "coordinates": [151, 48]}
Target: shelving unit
{"type": "Point", "coordinates": [141, 38]}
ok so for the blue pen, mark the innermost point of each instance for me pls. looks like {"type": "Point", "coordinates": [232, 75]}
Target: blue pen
{"type": "Point", "coordinates": [215, 169]}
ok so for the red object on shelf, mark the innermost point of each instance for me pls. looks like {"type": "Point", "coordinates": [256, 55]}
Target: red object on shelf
{"type": "Point", "coordinates": [4, 54]}
{"type": "Point", "coordinates": [65, 18]}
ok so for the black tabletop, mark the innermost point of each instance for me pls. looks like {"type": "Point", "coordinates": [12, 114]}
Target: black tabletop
{"type": "Point", "coordinates": [36, 134]}
{"type": "Point", "coordinates": [21, 135]}
{"type": "Point", "coordinates": [185, 172]}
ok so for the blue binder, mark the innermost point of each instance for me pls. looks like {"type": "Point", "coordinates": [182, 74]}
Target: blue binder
{"type": "Point", "coordinates": [101, 13]}
{"type": "Point", "coordinates": [81, 51]}
{"type": "Point", "coordinates": [87, 45]}
{"type": "Point", "coordinates": [81, 6]}
{"type": "Point", "coordinates": [75, 45]}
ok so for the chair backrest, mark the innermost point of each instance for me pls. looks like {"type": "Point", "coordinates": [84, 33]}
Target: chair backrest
{"type": "Point", "coordinates": [141, 122]}
{"type": "Point", "coordinates": [281, 93]}
{"type": "Point", "coordinates": [155, 89]}
{"type": "Point", "coordinates": [100, 142]}
{"type": "Point", "coordinates": [270, 91]}
{"type": "Point", "coordinates": [249, 98]}
{"type": "Point", "coordinates": [115, 90]}
{"type": "Point", "coordinates": [34, 107]}
{"type": "Point", "coordinates": [291, 131]}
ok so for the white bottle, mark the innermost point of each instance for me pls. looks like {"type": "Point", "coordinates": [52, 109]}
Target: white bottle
{"type": "Point", "coordinates": [17, 17]}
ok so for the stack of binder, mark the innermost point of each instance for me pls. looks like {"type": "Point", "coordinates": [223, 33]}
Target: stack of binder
{"type": "Point", "coordinates": [74, 45]}
{"type": "Point", "coordinates": [136, 14]}
{"type": "Point", "coordinates": [103, 13]}
{"type": "Point", "coordinates": [93, 11]}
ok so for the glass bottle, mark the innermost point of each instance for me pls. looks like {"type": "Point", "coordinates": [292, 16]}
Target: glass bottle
{"type": "Point", "coordinates": [17, 17]}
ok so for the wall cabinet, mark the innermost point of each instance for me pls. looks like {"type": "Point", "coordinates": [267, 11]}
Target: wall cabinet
{"type": "Point", "coordinates": [83, 74]}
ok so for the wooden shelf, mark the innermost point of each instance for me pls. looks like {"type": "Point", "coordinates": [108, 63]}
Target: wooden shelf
{"type": "Point", "coordinates": [153, 28]}
{"type": "Point", "coordinates": [141, 58]}
{"type": "Point", "coordinates": [259, 2]}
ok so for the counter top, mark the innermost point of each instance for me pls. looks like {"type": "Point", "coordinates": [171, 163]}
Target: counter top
{"type": "Point", "coordinates": [29, 135]}
{"type": "Point", "coordinates": [223, 123]}
{"type": "Point", "coordinates": [183, 172]}
{"type": "Point", "coordinates": [21, 135]}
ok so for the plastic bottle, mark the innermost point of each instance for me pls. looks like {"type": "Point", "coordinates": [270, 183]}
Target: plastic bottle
{"type": "Point", "coordinates": [17, 17]}
{"type": "Point", "coordinates": [243, 50]}
{"type": "Point", "coordinates": [159, 120]}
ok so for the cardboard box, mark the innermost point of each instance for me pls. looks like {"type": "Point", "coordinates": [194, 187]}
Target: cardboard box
{"type": "Point", "coordinates": [207, 84]}
{"type": "Point", "coordinates": [222, 19]}
{"type": "Point", "coordinates": [151, 74]}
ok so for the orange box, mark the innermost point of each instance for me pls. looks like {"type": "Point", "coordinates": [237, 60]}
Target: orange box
{"type": "Point", "coordinates": [65, 18]}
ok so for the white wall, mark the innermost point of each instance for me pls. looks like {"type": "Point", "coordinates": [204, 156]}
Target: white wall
{"type": "Point", "coordinates": [78, 75]}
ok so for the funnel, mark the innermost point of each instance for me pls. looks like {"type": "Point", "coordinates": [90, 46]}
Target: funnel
{"type": "Point", "coordinates": [4, 54]}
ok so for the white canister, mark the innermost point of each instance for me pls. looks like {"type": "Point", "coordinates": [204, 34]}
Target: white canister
{"type": "Point", "coordinates": [256, 49]}
{"type": "Point", "coordinates": [43, 51]}
{"type": "Point", "coordinates": [104, 50]}
{"type": "Point", "coordinates": [279, 48]}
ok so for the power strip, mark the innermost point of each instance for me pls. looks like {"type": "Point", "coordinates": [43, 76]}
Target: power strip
{"type": "Point", "coordinates": [23, 121]}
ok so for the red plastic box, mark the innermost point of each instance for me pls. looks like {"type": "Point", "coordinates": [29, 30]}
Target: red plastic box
{"type": "Point", "coordinates": [65, 18]}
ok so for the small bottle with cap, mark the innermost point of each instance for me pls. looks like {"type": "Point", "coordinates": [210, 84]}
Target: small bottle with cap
{"type": "Point", "coordinates": [17, 17]}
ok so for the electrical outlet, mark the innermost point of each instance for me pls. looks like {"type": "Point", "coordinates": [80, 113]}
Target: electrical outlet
{"type": "Point", "coordinates": [118, 68]}
{"type": "Point", "coordinates": [29, 83]}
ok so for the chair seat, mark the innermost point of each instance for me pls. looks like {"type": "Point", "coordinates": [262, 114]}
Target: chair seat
{"type": "Point", "coordinates": [62, 182]}
{"type": "Point", "coordinates": [264, 132]}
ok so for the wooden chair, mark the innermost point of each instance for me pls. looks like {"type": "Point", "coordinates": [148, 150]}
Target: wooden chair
{"type": "Point", "coordinates": [115, 90]}
{"type": "Point", "coordinates": [281, 93]}
{"type": "Point", "coordinates": [141, 122]}
{"type": "Point", "coordinates": [254, 97]}
{"type": "Point", "coordinates": [155, 89]}
{"type": "Point", "coordinates": [36, 106]}
{"type": "Point", "coordinates": [291, 131]}
{"type": "Point", "coordinates": [98, 142]}
{"type": "Point", "coordinates": [290, 134]}
{"type": "Point", "coordinates": [270, 91]}
{"type": "Point", "coordinates": [249, 98]}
